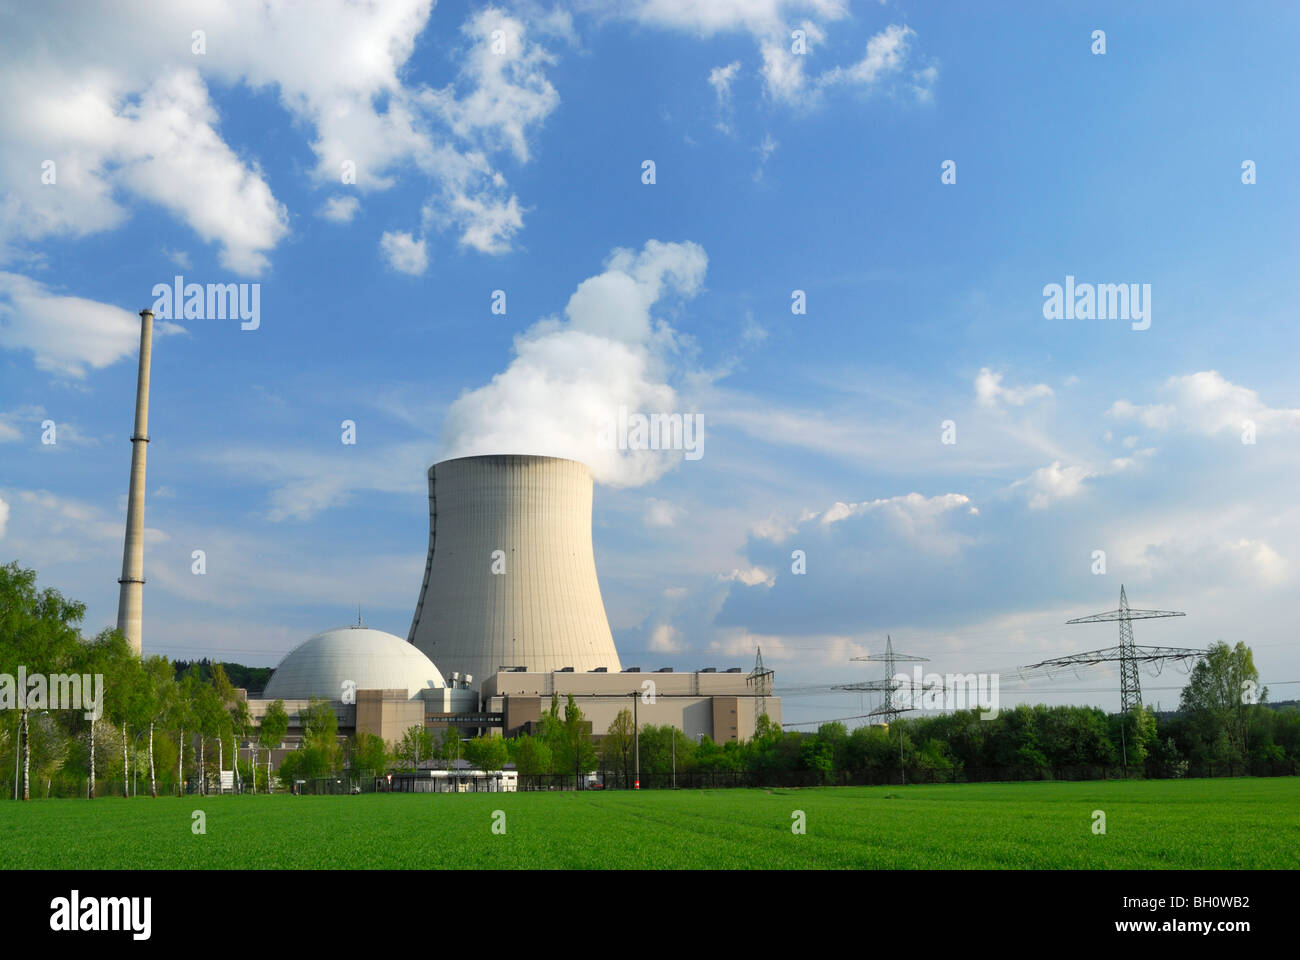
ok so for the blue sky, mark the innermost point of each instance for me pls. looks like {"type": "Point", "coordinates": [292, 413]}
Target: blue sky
{"type": "Point", "coordinates": [521, 171]}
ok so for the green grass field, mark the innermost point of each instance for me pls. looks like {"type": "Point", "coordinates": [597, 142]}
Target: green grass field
{"type": "Point", "coordinates": [1191, 824]}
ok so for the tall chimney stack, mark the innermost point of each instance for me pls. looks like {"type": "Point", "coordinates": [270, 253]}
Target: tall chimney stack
{"type": "Point", "coordinates": [130, 604]}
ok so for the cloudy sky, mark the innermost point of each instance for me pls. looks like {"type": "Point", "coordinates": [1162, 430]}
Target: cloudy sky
{"type": "Point", "coordinates": [382, 171]}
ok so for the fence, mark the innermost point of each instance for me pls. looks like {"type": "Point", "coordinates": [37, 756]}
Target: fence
{"type": "Point", "coordinates": [708, 779]}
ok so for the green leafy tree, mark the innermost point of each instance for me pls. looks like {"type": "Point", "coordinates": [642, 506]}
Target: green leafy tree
{"type": "Point", "coordinates": [415, 746]}
{"type": "Point", "coordinates": [578, 754]}
{"type": "Point", "coordinates": [275, 724]}
{"type": "Point", "coordinates": [39, 630]}
{"type": "Point", "coordinates": [1220, 695]}
{"type": "Point", "coordinates": [158, 690]}
{"type": "Point", "coordinates": [241, 725]}
{"type": "Point", "coordinates": [487, 753]}
{"type": "Point", "coordinates": [451, 748]}
{"type": "Point", "coordinates": [532, 756]}
{"type": "Point", "coordinates": [616, 745]}
{"type": "Point", "coordinates": [370, 755]}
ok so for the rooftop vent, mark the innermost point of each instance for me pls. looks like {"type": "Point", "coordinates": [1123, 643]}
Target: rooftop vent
{"type": "Point", "coordinates": [631, 669]}
{"type": "Point", "coordinates": [664, 670]}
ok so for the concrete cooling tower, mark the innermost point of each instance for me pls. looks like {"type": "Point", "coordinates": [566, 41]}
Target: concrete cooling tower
{"type": "Point", "coordinates": [511, 575]}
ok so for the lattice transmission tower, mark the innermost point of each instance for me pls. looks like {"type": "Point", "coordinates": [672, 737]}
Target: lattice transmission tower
{"type": "Point", "coordinates": [760, 678]}
{"type": "Point", "coordinates": [889, 708]}
{"type": "Point", "coordinates": [1127, 653]}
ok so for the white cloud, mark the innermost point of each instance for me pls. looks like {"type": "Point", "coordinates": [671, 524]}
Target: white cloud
{"type": "Point", "coordinates": [53, 516]}
{"type": "Point", "coordinates": [340, 208]}
{"type": "Point", "coordinates": [67, 334]}
{"type": "Point", "coordinates": [4, 517]}
{"type": "Point", "coordinates": [509, 89]}
{"type": "Point", "coordinates": [989, 390]}
{"type": "Point", "coordinates": [404, 253]}
{"type": "Point", "coordinates": [571, 376]}
{"type": "Point", "coordinates": [124, 128]}
{"type": "Point", "coordinates": [664, 639]}
{"type": "Point", "coordinates": [1207, 403]}
{"type": "Point", "coordinates": [1051, 483]}
{"type": "Point", "coordinates": [720, 79]}
{"type": "Point", "coordinates": [174, 156]}
{"type": "Point", "coordinates": [911, 508]}
{"type": "Point", "coordinates": [770, 23]}
{"type": "Point", "coordinates": [885, 54]}
{"type": "Point", "coordinates": [661, 513]}
{"type": "Point", "coordinates": [752, 577]}
{"type": "Point", "coordinates": [178, 257]}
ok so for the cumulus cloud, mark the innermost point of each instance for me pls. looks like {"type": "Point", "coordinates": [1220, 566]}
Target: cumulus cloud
{"type": "Point", "coordinates": [885, 54]}
{"type": "Point", "coordinates": [571, 376]}
{"type": "Point", "coordinates": [4, 517]}
{"type": "Point", "coordinates": [1207, 403]}
{"type": "Point", "coordinates": [664, 639]}
{"type": "Point", "coordinates": [404, 253]}
{"type": "Point", "coordinates": [1051, 483]}
{"type": "Point", "coordinates": [751, 577]}
{"type": "Point", "coordinates": [66, 334]}
{"type": "Point", "coordinates": [340, 208]}
{"type": "Point", "coordinates": [116, 129]}
{"type": "Point", "coordinates": [989, 391]}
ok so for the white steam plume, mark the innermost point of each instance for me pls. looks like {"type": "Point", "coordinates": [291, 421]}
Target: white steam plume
{"type": "Point", "coordinates": [570, 375]}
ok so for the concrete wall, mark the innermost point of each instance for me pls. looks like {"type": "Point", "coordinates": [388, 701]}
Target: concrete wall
{"type": "Point", "coordinates": [719, 718]}
{"type": "Point", "coordinates": [387, 714]}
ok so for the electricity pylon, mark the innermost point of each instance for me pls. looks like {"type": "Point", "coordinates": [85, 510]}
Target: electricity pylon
{"type": "Point", "coordinates": [889, 709]}
{"type": "Point", "coordinates": [760, 678]}
{"type": "Point", "coordinates": [1127, 653]}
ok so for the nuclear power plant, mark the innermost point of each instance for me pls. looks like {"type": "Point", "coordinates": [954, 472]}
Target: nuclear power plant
{"type": "Point", "coordinates": [509, 615]}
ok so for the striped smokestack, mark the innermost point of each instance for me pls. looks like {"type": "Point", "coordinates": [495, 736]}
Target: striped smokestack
{"type": "Point", "coordinates": [130, 604]}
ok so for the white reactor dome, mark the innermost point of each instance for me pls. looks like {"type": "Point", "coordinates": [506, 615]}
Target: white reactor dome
{"type": "Point", "coordinates": [370, 659]}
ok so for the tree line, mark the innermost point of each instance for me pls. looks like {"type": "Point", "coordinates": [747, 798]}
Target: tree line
{"type": "Point", "coordinates": [166, 728]}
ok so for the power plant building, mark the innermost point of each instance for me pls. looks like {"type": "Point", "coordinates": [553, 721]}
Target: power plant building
{"type": "Point", "coordinates": [509, 616]}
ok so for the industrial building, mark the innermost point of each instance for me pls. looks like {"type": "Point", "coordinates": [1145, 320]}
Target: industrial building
{"type": "Point", "coordinates": [511, 606]}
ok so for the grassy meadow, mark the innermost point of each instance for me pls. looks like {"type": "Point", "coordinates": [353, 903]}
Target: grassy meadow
{"type": "Point", "coordinates": [1186, 824]}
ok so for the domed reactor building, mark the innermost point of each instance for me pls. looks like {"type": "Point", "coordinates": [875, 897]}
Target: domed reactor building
{"type": "Point", "coordinates": [510, 582]}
